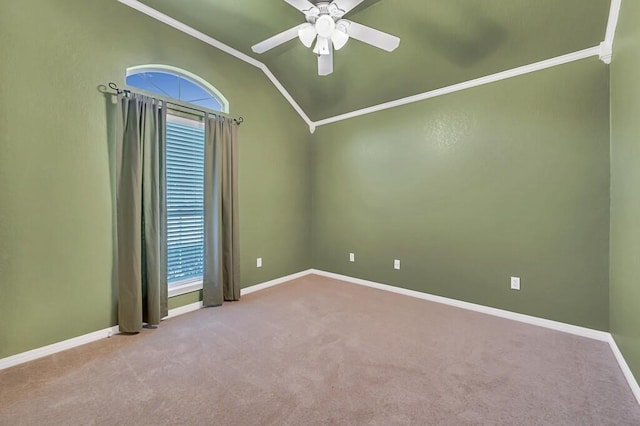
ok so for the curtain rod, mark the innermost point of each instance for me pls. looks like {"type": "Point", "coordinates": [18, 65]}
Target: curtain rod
{"type": "Point", "coordinates": [119, 91]}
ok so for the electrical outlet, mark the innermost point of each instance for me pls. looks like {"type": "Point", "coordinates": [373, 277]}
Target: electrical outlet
{"type": "Point", "coordinates": [259, 262]}
{"type": "Point", "coordinates": [515, 283]}
{"type": "Point", "coordinates": [352, 257]}
{"type": "Point", "coordinates": [396, 264]}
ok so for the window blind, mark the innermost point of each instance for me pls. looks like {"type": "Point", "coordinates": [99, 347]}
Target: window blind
{"type": "Point", "coordinates": [185, 208]}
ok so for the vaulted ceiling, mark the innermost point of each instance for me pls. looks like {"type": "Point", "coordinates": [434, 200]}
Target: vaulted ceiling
{"type": "Point", "coordinates": [443, 42]}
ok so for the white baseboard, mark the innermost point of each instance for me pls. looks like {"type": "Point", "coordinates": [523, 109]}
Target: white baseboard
{"type": "Point", "coordinates": [275, 282]}
{"type": "Point", "coordinates": [243, 292]}
{"type": "Point", "coordinates": [183, 310]}
{"type": "Point", "coordinates": [554, 325]}
{"type": "Point", "coordinates": [110, 331]}
{"type": "Point", "coordinates": [57, 347]}
{"type": "Point", "coordinates": [633, 383]}
{"type": "Point", "coordinates": [541, 322]}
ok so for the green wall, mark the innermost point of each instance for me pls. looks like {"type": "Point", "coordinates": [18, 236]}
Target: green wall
{"type": "Point", "coordinates": [625, 186]}
{"type": "Point", "coordinates": [467, 189]}
{"type": "Point", "coordinates": [56, 229]}
{"type": "Point", "coordinates": [510, 178]}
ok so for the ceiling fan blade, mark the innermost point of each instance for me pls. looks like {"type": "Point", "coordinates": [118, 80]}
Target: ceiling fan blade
{"type": "Point", "coordinates": [276, 40]}
{"type": "Point", "coordinates": [346, 5]}
{"type": "Point", "coordinates": [325, 64]}
{"type": "Point", "coordinates": [373, 37]}
{"type": "Point", "coordinates": [301, 5]}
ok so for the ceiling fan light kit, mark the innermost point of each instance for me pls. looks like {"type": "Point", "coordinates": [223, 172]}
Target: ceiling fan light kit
{"type": "Point", "coordinates": [330, 32]}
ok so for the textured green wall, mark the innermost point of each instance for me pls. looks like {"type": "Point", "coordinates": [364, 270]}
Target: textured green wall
{"type": "Point", "coordinates": [56, 272]}
{"type": "Point", "coordinates": [625, 186]}
{"type": "Point", "coordinates": [507, 179]}
{"type": "Point", "coordinates": [510, 178]}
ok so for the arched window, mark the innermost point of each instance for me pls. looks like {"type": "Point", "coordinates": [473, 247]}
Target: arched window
{"type": "Point", "coordinates": [171, 82]}
{"type": "Point", "coordinates": [184, 167]}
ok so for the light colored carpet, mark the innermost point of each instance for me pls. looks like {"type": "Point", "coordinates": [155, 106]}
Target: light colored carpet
{"type": "Point", "coordinates": [321, 351]}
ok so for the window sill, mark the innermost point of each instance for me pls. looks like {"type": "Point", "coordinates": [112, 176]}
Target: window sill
{"type": "Point", "coordinates": [188, 287]}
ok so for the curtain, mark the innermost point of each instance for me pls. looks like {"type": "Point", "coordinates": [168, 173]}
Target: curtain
{"type": "Point", "coordinates": [141, 215]}
{"type": "Point", "coordinates": [221, 280]}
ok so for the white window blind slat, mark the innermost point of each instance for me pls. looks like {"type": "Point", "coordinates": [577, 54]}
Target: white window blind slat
{"type": "Point", "coordinates": [185, 209]}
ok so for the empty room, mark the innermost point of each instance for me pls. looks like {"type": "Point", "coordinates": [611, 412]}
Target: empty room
{"type": "Point", "coordinates": [302, 212]}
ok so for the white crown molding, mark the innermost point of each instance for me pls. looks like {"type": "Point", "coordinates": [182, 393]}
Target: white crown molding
{"type": "Point", "coordinates": [606, 52]}
{"type": "Point", "coordinates": [606, 47]}
{"type": "Point", "coordinates": [515, 72]}
{"type": "Point", "coordinates": [603, 51]}
{"type": "Point", "coordinates": [288, 97]}
{"type": "Point", "coordinates": [153, 13]}
{"type": "Point", "coordinates": [612, 24]}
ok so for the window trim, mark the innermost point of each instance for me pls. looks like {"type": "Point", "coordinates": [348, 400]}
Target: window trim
{"type": "Point", "coordinates": [195, 122]}
{"type": "Point", "coordinates": [188, 286]}
{"type": "Point", "coordinates": [193, 284]}
{"type": "Point", "coordinates": [180, 73]}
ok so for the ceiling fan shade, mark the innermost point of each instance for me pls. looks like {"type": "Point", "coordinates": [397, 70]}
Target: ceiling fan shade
{"type": "Point", "coordinates": [307, 33]}
{"type": "Point", "coordinates": [330, 32]}
{"type": "Point", "coordinates": [325, 25]}
{"type": "Point", "coordinates": [340, 36]}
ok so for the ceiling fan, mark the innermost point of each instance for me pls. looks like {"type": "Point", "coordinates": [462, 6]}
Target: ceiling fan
{"type": "Point", "coordinates": [326, 26]}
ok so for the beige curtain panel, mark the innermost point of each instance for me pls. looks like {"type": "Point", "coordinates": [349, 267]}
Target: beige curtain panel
{"type": "Point", "coordinates": [221, 281]}
{"type": "Point", "coordinates": [141, 223]}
